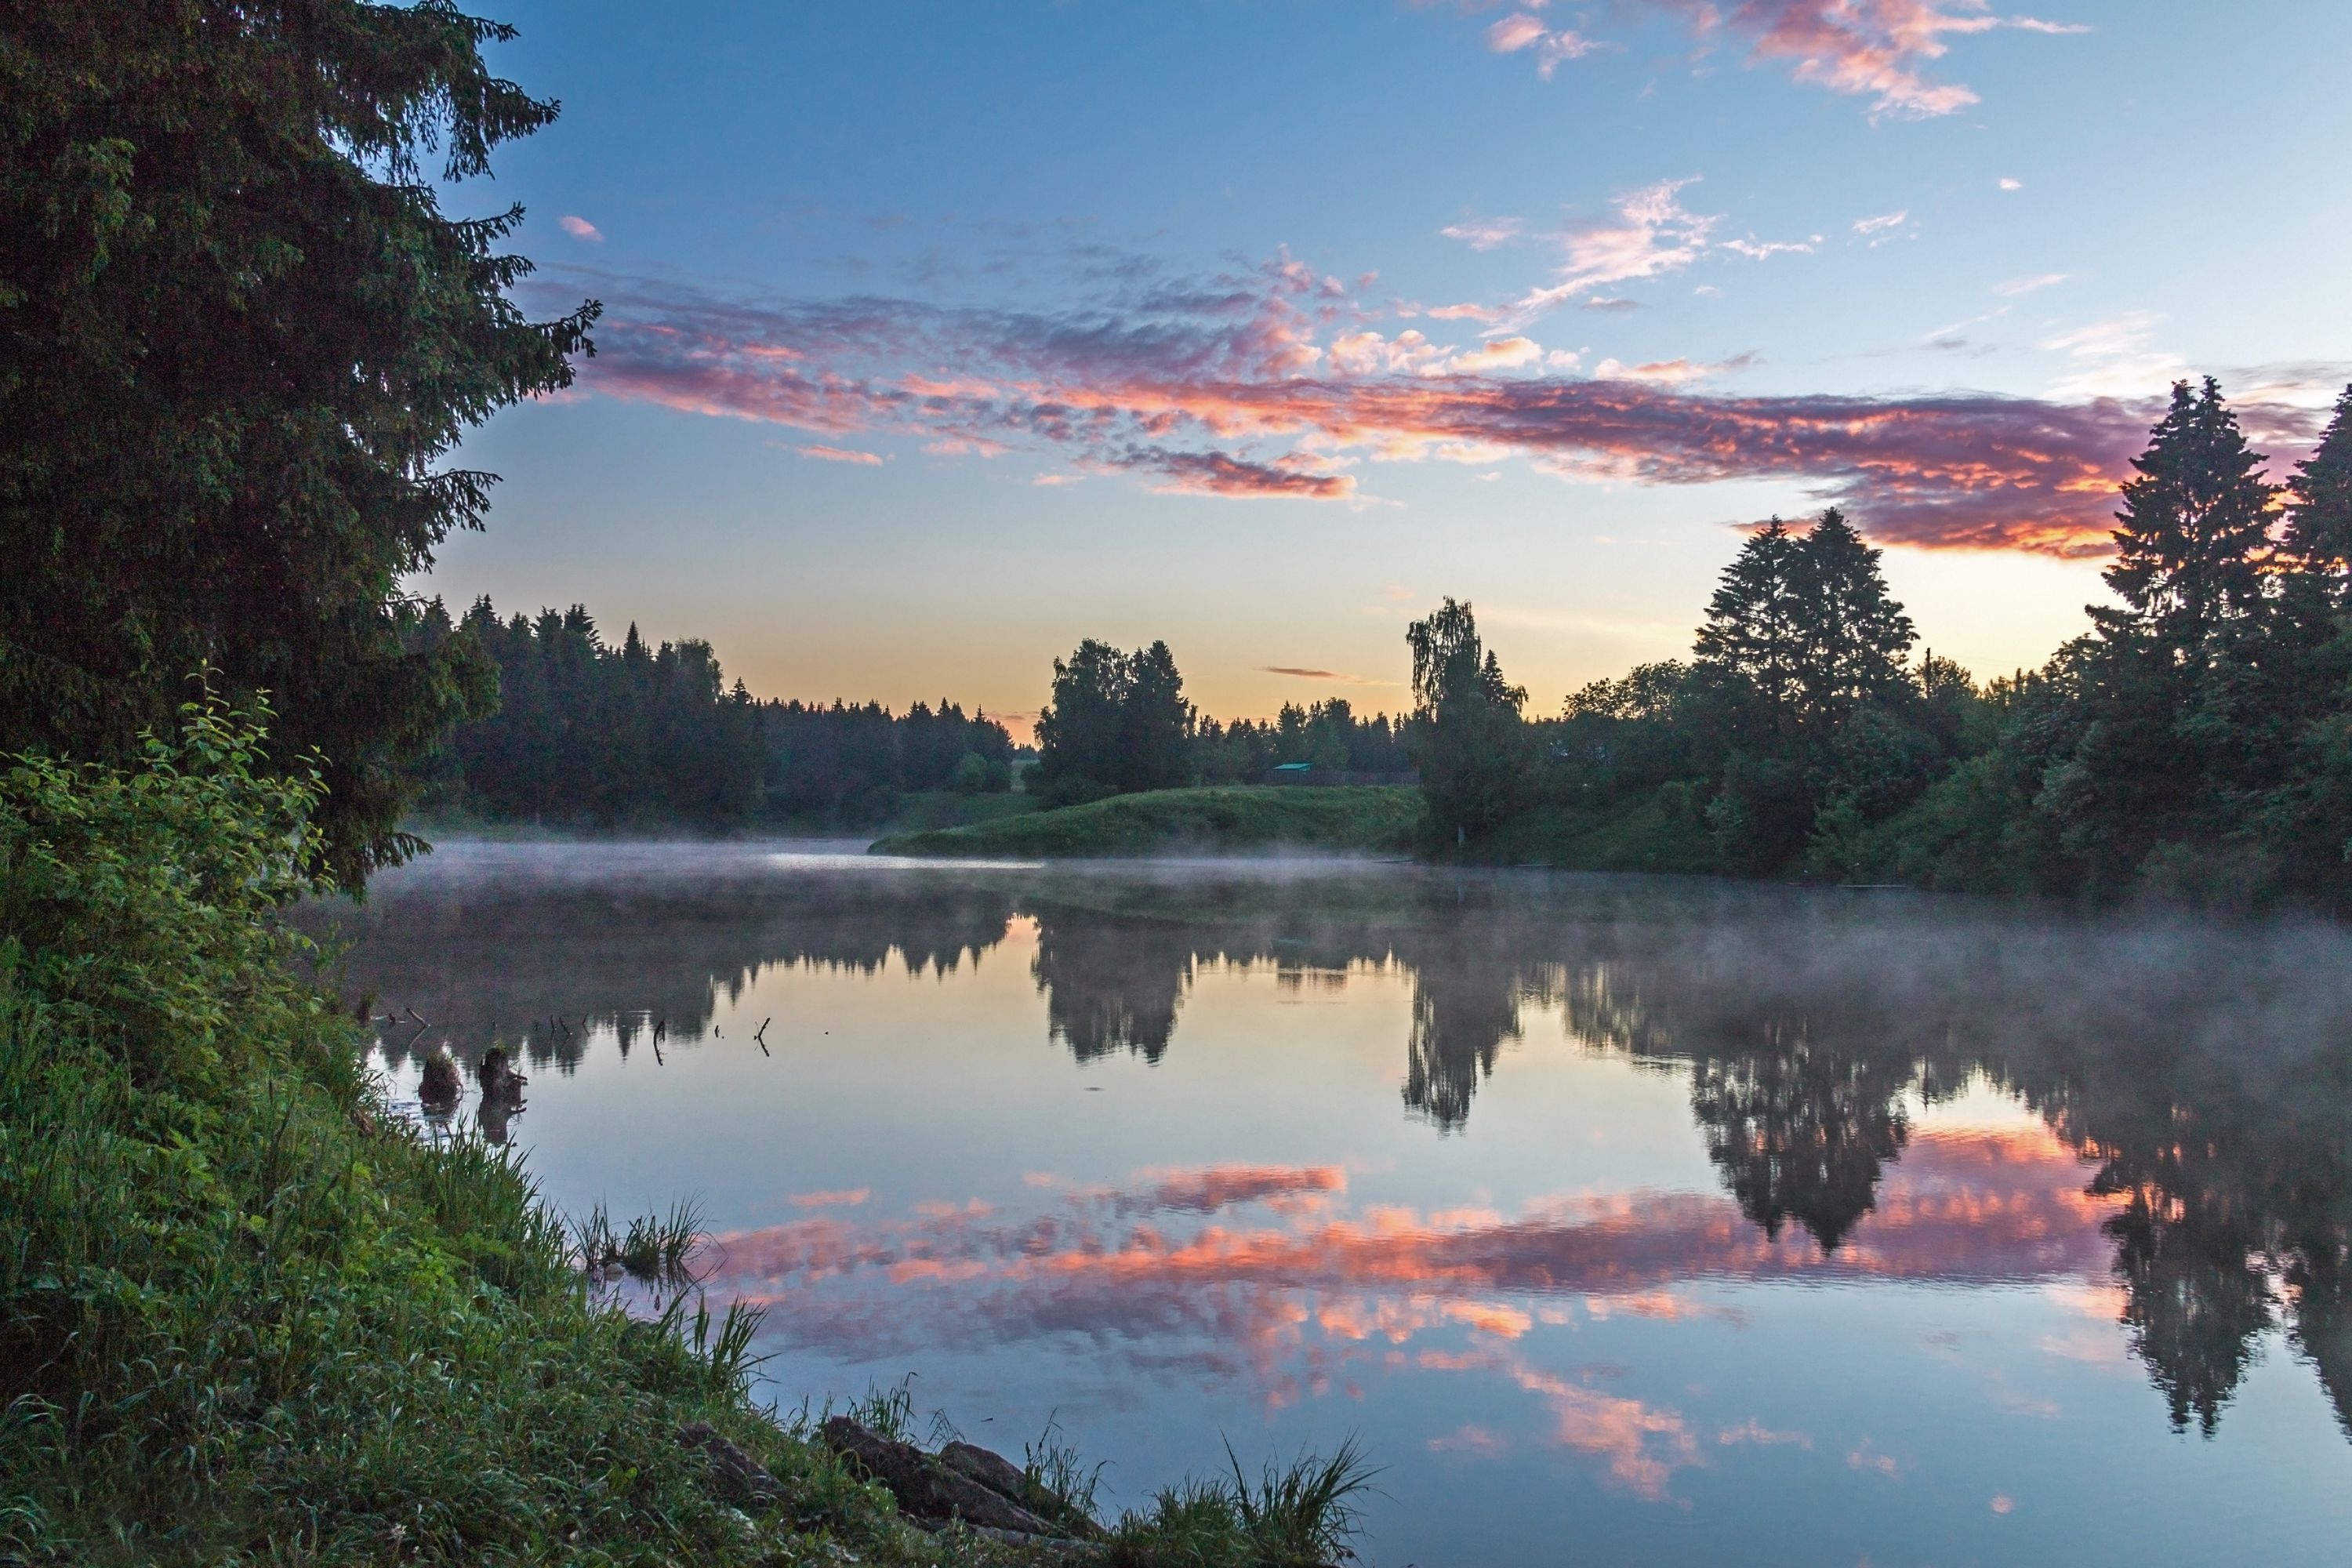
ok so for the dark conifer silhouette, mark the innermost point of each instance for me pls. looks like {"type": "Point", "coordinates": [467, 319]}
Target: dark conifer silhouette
{"type": "Point", "coordinates": [242, 336]}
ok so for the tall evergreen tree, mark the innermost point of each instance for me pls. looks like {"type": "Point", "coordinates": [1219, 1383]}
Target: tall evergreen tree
{"type": "Point", "coordinates": [1853, 639]}
{"type": "Point", "coordinates": [2319, 516]}
{"type": "Point", "coordinates": [238, 335]}
{"type": "Point", "coordinates": [1753, 628]}
{"type": "Point", "coordinates": [2193, 535]}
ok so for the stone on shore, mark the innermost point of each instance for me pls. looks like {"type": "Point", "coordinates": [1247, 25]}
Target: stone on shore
{"type": "Point", "coordinates": [932, 1491]}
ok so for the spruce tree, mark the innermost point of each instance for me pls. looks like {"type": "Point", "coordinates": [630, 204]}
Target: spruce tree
{"type": "Point", "coordinates": [2194, 536]}
{"type": "Point", "coordinates": [237, 337]}
{"type": "Point", "coordinates": [1752, 622]}
{"type": "Point", "coordinates": [1853, 639]}
{"type": "Point", "coordinates": [2319, 517]}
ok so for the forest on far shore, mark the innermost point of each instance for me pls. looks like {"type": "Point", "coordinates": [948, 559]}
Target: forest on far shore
{"type": "Point", "coordinates": [2194, 743]}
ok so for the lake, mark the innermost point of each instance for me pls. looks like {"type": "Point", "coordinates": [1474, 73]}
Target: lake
{"type": "Point", "coordinates": [1625, 1220]}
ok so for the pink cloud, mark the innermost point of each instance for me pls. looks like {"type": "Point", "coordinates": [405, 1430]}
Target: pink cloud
{"type": "Point", "coordinates": [1876, 50]}
{"type": "Point", "coordinates": [847, 1197]}
{"type": "Point", "coordinates": [1522, 31]}
{"type": "Point", "coordinates": [1503, 353]}
{"type": "Point", "coordinates": [1514, 33]}
{"type": "Point", "coordinates": [1262, 384]}
{"type": "Point", "coordinates": [1655, 235]}
{"type": "Point", "coordinates": [842, 455]}
{"type": "Point", "coordinates": [581, 228]}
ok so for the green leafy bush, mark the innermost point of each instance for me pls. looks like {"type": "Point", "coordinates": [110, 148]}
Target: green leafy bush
{"type": "Point", "coordinates": [245, 1315]}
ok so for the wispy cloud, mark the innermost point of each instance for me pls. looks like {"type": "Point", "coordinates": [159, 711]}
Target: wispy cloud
{"type": "Point", "coordinates": [1668, 372]}
{"type": "Point", "coordinates": [1877, 49]}
{"type": "Point", "coordinates": [1485, 234]}
{"type": "Point", "coordinates": [1881, 224]}
{"type": "Point", "coordinates": [2014, 287]}
{"type": "Point", "coordinates": [1300, 673]}
{"type": "Point", "coordinates": [1762, 249]}
{"type": "Point", "coordinates": [581, 228]}
{"type": "Point", "coordinates": [1522, 31]}
{"type": "Point", "coordinates": [1654, 234]}
{"type": "Point", "coordinates": [2008, 184]}
{"type": "Point", "coordinates": [2114, 358]}
{"type": "Point", "coordinates": [842, 455]}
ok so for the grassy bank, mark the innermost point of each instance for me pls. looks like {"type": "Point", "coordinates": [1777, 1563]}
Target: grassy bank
{"type": "Point", "coordinates": [1369, 819]}
{"type": "Point", "coordinates": [1657, 832]}
{"type": "Point", "coordinates": [249, 1316]}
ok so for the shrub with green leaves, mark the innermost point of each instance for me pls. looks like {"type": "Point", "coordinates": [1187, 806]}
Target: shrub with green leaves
{"type": "Point", "coordinates": [245, 1315]}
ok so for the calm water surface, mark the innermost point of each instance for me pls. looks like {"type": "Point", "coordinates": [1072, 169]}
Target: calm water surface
{"type": "Point", "coordinates": [1626, 1221]}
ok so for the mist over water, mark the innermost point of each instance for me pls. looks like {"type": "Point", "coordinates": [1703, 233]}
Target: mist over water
{"type": "Point", "coordinates": [1669, 1222]}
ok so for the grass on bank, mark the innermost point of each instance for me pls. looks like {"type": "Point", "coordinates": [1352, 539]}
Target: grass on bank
{"type": "Point", "coordinates": [1363, 818]}
{"type": "Point", "coordinates": [1660, 831]}
{"type": "Point", "coordinates": [248, 1316]}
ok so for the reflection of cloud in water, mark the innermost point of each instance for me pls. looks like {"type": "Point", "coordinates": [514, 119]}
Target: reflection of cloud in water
{"type": "Point", "coordinates": [1203, 1271]}
{"type": "Point", "coordinates": [2202, 1070]}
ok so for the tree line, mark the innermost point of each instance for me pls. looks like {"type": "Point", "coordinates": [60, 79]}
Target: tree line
{"type": "Point", "coordinates": [1119, 723]}
{"type": "Point", "coordinates": [588, 733]}
{"type": "Point", "coordinates": [2195, 741]}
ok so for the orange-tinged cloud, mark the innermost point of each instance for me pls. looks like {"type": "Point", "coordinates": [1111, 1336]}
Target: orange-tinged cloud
{"type": "Point", "coordinates": [1226, 391]}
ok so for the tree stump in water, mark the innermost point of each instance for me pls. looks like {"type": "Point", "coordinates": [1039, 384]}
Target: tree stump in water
{"type": "Point", "coordinates": [440, 1085]}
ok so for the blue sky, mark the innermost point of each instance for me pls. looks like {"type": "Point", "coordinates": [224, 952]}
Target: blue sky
{"type": "Point", "coordinates": [942, 336]}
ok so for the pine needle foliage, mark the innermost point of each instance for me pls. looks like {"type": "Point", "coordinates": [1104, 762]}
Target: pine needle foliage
{"type": "Point", "coordinates": [239, 336]}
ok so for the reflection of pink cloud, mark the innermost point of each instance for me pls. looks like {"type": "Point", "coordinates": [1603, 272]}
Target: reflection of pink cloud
{"type": "Point", "coordinates": [1755, 1431]}
{"type": "Point", "coordinates": [1219, 1186]}
{"type": "Point", "coordinates": [1472, 1439]}
{"type": "Point", "coordinates": [829, 1200]}
{"type": "Point", "coordinates": [1192, 392]}
{"type": "Point", "coordinates": [1261, 1273]}
{"type": "Point", "coordinates": [1643, 1447]}
{"type": "Point", "coordinates": [1974, 1206]}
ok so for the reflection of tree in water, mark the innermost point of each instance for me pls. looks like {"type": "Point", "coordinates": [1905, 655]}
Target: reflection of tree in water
{"type": "Point", "coordinates": [2232, 1162]}
{"type": "Point", "coordinates": [486, 958]}
{"type": "Point", "coordinates": [1111, 984]}
{"type": "Point", "coordinates": [2209, 1077]}
{"type": "Point", "coordinates": [2320, 1276]}
{"type": "Point", "coordinates": [1801, 1132]}
{"type": "Point", "coordinates": [1465, 1005]}
{"type": "Point", "coordinates": [2194, 1300]}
